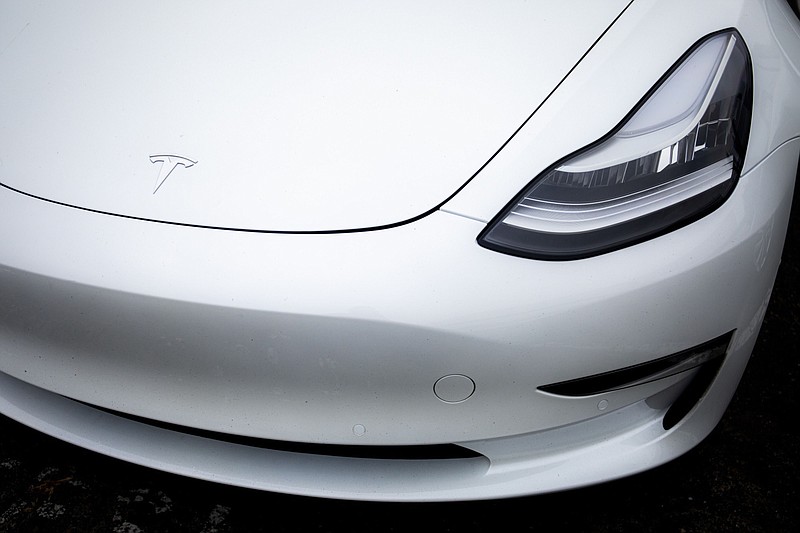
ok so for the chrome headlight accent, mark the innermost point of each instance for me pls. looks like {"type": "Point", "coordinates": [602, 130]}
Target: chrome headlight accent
{"type": "Point", "coordinates": [674, 159]}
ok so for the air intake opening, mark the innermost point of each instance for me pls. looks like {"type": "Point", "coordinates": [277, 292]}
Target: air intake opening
{"type": "Point", "coordinates": [703, 354]}
{"type": "Point", "coordinates": [411, 452]}
{"type": "Point", "coordinates": [693, 392]}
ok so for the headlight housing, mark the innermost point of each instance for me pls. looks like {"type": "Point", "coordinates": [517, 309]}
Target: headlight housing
{"type": "Point", "coordinates": [675, 158]}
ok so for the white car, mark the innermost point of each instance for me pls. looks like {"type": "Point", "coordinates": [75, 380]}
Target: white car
{"type": "Point", "coordinates": [397, 251]}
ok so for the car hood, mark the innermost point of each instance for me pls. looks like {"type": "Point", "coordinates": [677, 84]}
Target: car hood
{"type": "Point", "coordinates": [273, 116]}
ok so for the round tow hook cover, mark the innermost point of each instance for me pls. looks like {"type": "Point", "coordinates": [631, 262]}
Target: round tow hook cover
{"type": "Point", "coordinates": [453, 388]}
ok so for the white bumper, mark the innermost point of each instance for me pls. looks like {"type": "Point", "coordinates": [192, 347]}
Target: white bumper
{"type": "Point", "coordinates": [250, 336]}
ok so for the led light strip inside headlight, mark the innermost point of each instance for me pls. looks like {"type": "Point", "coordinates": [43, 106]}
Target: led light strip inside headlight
{"type": "Point", "coordinates": [675, 159]}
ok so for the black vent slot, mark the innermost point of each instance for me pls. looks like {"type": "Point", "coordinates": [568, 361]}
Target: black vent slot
{"type": "Point", "coordinates": [630, 376]}
{"type": "Point", "coordinates": [411, 452]}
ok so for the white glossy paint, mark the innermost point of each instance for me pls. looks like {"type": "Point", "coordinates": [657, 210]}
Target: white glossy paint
{"type": "Point", "coordinates": [265, 336]}
{"type": "Point", "coordinates": [302, 116]}
{"type": "Point", "coordinates": [601, 91]}
{"type": "Point", "coordinates": [341, 338]}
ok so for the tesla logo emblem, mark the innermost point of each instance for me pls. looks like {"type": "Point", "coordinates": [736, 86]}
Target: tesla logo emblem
{"type": "Point", "coordinates": [168, 164]}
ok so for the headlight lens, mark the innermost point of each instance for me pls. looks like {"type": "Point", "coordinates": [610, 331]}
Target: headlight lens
{"type": "Point", "coordinates": [674, 159]}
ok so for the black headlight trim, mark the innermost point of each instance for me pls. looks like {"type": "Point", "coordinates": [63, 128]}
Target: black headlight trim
{"type": "Point", "coordinates": [542, 245]}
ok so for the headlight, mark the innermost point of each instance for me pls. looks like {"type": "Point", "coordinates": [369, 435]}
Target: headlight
{"type": "Point", "coordinates": [674, 159]}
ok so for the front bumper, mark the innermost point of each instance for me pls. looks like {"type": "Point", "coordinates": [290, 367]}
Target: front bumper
{"type": "Point", "coordinates": [340, 339]}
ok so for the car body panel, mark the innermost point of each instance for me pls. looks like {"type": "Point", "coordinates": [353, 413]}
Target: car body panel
{"type": "Point", "coordinates": [628, 438]}
{"type": "Point", "coordinates": [266, 338]}
{"type": "Point", "coordinates": [300, 116]}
